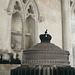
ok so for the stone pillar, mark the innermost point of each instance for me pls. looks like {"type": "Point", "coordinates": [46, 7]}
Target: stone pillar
{"type": "Point", "coordinates": [66, 25]}
{"type": "Point", "coordinates": [23, 34]}
{"type": "Point", "coordinates": [36, 33]}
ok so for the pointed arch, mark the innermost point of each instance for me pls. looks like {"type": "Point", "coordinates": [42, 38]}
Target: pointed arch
{"type": "Point", "coordinates": [34, 10]}
{"type": "Point", "coordinates": [27, 11]}
{"type": "Point", "coordinates": [21, 7]}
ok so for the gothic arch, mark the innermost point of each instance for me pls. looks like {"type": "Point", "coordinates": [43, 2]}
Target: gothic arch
{"type": "Point", "coordinates": [24, 9]}
{"type": "Point", "coordinates": [28, 10]}
{"type": "Point", "coordinates": [31, 8]}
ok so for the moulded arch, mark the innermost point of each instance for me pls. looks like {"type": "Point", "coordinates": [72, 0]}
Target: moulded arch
{"type": "Point", "coordinates": [23, 9]}
{"type": "Point", "coordinates": [27, 11]}
{"type": "Point", "coordinates": [36, 13]}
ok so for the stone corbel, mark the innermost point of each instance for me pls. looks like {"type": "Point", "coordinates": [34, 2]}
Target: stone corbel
{"type": "Point", "coordinates": [41, 19]}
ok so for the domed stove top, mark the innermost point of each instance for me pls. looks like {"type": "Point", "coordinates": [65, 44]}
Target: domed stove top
{"type": "Point", "coordinates": [45, 53]}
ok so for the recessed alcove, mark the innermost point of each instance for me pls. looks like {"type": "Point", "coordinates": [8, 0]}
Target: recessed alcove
{"type": "Point", "coordinates": [30, 32]}
{"type": "Point", "coordinates": [16, 32]}
{"type": "Point", "coordinates": [16, 22]}
{"type": "Point", "coordinates": [23, 26]}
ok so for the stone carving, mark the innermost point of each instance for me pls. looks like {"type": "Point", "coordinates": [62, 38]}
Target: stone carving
{"type": "Point", "coordinates": [29, 16]}
{"type": "Point", "coordinates": [16, 6]}
{"type": "Point", "coordinates": [25, 10]}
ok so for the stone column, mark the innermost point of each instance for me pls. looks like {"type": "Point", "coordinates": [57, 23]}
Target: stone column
{"type": "Point", "coordinates": [36, 33]}
{"type": "Point", "coordinates": [66, 25]}
{"type": "Point", "coordinates": [23, 33]}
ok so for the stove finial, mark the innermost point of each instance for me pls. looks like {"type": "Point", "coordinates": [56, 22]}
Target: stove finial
{"type": "Point", "coordinates": [45, 38]}
{"type": "Point", "coordinates": [46, 31]}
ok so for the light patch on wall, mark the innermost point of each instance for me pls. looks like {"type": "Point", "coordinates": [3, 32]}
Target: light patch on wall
{"type": "Point", "coordinates": [47, 2]}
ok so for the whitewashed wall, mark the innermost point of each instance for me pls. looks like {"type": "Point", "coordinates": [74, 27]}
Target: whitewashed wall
{"type": "Point", "coordinates": [51, 11]}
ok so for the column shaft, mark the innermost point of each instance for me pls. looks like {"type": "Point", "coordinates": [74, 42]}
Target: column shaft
{"type": "Point", "coordinates": [23, 34]}
{"type": "Point", "coordinates": [66, 25]}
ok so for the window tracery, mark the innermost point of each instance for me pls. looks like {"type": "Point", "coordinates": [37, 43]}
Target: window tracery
{"type": "Point", "coordinates": [17, 6]}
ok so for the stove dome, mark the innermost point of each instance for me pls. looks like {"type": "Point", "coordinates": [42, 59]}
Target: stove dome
{"type": "Point", "coordinates": [45, 53]}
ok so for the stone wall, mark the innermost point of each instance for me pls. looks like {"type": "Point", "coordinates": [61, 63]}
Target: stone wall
{"type": "Point", "coordinates": [49, 9]}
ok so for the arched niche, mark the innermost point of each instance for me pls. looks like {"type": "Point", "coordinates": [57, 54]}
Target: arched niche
{"type": "Point", "coordinates": [16, 32]}
{"type": "Point", "coordinates": [24, 29]}
{"type": "Point", "coordinates": [30, 32]}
